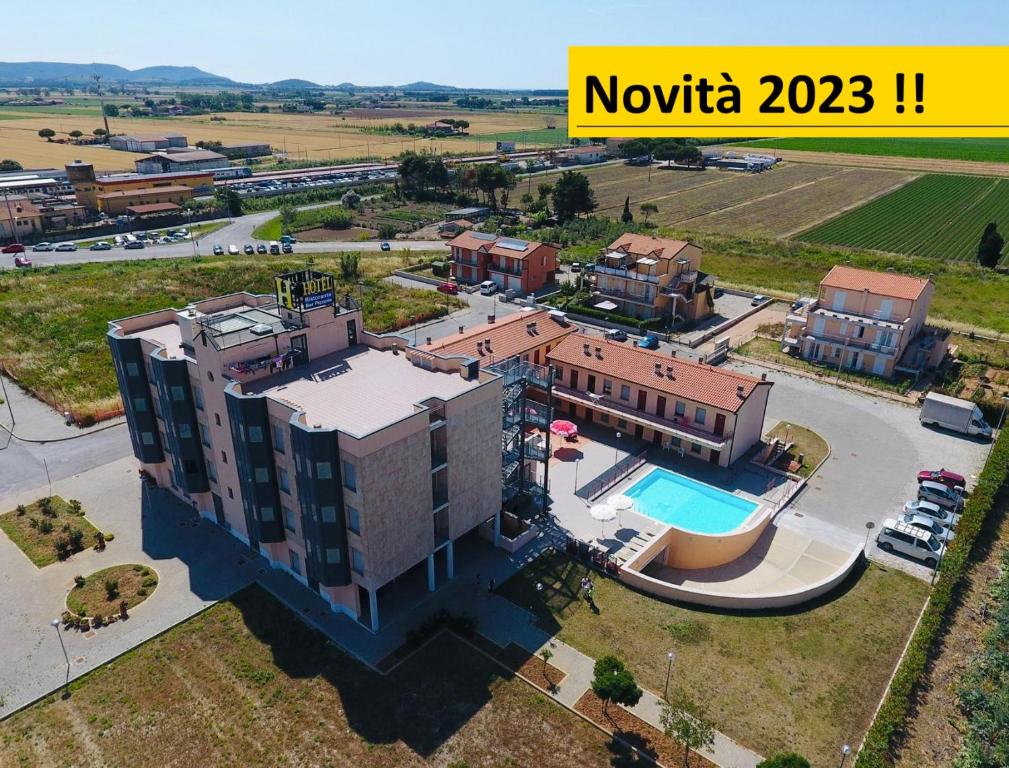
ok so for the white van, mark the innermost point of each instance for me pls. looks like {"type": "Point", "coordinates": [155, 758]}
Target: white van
{"type": "Point", "coordinates": [488, 288]}
{"type": "Point", "coordinates": [898, 536]}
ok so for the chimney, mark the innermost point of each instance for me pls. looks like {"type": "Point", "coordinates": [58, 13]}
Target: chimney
{"type": "Point", "coordinates": [658, 369]}
{"type": "Point", "coordinates": [533, 326]}
{"type": "Point", "coordinates": [491, 318]}
{"type": "Point", "coordinates": [428, 342]}
{"type": "Point", "coordinates": [462, 328]}
{"type": "Point", "coordinates": [673, 353]}
{"type": "Point", "coordinates": [479, 347]}
{"type": "Point", "coordinates": [763, 376]}
{"type": "Point", "coordinates": [585, 349]}
{"type": "Point", "coordinates": [599, 352]}
{"type": "Point", "coordinates": [486, 343]}
{"type": "Point", "coordinates": [739, 391]}
{"type": "Point", "coordinates": [530, 328]}
{"type": "Point", "coordinates": [669, 372]}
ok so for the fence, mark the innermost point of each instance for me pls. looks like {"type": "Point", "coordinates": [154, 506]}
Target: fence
{"type": "Point", "coordinates": [608, 478]}
{"type": "Point", "coordinates": [82, 417]}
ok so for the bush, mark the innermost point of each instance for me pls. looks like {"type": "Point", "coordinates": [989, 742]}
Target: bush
{"type": "Point", "coordinates": [150, 581]}
{"type": "Point", "coordinates": [894, 710]}
{"type": "Point", "coordinates": [46, 506]}
{"type": "Point", "coordinates": [22, 510]}
{"type": "Point", "coordinates": [109, 536]}
{"type": "Point", "coordinates": [76, 537]}
{"type": "Point", "coordinates": [784, 760]}
{"type": "Point", "coordinates": [62, 547]}
{"type": "Point", "coordinates": [75, 507]}
{"type": "Point", "coordinates": [142, 592]}
{"type": "Point", "coordinates": [79, 582]}
{"type": "Point", "coordinates": [111, 589]}
{"type": "Point", "coordinates": [387, 231]}
{"type": "Point", "coordinates": [337, 219]}
{"type": "Point", "coordinates": [45, 526]}
{"type": "Point", "coordinates": [33, 522]}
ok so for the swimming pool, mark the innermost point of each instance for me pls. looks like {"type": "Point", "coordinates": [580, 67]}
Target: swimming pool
{"type": "Point", "coordinates": [677, 500]}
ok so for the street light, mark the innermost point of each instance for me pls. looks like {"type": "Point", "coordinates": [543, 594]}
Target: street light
{"type": "Point", "coordinates": [669, 668]}
{"type": "Point", "coordinates": [66, 685]}
{"type": "Point", "coordinates": [616, 451]}
{"type": "Point", "coordinates": [576, 473]}
{"type": "Point", "coordinates": [868, 527]}
{"type": "Point", "coordinates": [845, 751]}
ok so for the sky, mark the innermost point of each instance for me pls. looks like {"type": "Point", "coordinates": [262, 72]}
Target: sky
{"type": "Point", "coordinates": [474, 43]}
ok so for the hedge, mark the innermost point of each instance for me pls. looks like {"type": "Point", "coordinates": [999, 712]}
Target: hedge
{"type": "Point", "coordinates": [875, 752]}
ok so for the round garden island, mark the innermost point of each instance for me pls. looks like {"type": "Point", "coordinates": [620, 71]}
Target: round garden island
{"type": "Point", "coordinates": [106, 596]}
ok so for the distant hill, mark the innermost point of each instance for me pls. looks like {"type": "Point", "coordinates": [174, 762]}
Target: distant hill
{"type": "Point", "coordinates": [52, 72]}
{"type": "Point", "coordinates": [421, 85]}
{"type": "Point", "coordinates": [293, 83]}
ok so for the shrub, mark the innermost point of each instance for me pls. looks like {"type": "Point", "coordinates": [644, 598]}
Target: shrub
{"type": "Point", "coordinates": [97, 621]}
{"type": "Point", "coordinates": [109, 536]}
{"type": "Point", "coordinates": [150, 581]}
{"type": "Point", "coordinates": [142, 592]}
{"type": "Point", "coordinates": [76, 539]}
{"type": "Point", "coordinates": [895, 707]}
{"type": "Point", "coordinates": [45, 526]}
{"type": "Point", "coordinates": [784, 760]}
{"type": "Point", "coordinates": [138, 568]}
{"type": "Point", "coordinates": [22, 510]}
{"type": "Point", "coordinates": [33, 522]}
{"type": "Point", "coordinates": [75, 507]}
{"type": "Point", "coordinates": [46, 506]}
{"type": "Point", "coordinates": [79, 582]}
{"type": "Point", "coordinates": [111, 589]}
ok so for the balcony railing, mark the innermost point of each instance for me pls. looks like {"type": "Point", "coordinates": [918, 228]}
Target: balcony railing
{"type": "Point", "coordinates": [648, 299]}
{"type": "Point", "coordinates": [625, 272]}
{"type": "Point", "coordinates": [515, 369]}
{"type": "Point", "coordinates": [679, 426]}
{"type": "Point", "coordinates": [853, 343]}
{"type": "Point", "coordinates": [492, 267]}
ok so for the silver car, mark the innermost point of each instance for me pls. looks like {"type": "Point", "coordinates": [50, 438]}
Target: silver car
{"type": "Point", "coordinates": [931, 525]}
{"type": "Point", "coordinates": [941, 495]}
{"type": "Point", "coordinates": [942, 516]}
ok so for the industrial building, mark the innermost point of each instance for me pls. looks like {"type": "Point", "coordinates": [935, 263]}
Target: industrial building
{"type": "Point", "coordinates": [179, 162]}
{"type": "Point", "coordinates": [114, 194]}
{"type": "Point", "coordinates": [147, 142]}
{"type": "Point", "coordinates": [346, 459]}
{"type": "Point", "coordinates": [240, 150]}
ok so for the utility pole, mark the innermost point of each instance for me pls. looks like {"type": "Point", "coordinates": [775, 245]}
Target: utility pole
{"type": "Point", "coordinates": [840, 363]}
{"type": "Point", "coordinates": [105, 117]}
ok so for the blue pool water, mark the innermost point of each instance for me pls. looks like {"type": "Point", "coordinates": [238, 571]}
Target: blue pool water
{"type": "Point", "coordinates": [677, 500]}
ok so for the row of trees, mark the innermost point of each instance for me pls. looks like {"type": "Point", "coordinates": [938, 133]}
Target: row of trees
{"type": "Point", "coordinates": [48, 134]}
{"type": "Point", "coordinates": [681, 151]}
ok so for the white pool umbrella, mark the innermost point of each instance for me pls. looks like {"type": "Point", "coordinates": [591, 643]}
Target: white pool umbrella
{"type": "Point", "coordinates": [603, 513]}
{"type": "Point", "coordinates": [620, 502]}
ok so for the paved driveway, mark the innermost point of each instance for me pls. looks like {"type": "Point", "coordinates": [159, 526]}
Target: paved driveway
{"type": "Point", "coordinates": [877, 447]}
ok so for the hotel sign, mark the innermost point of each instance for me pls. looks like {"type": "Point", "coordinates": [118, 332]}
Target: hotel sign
{"type": "Point", "coordinates": [305, 290]}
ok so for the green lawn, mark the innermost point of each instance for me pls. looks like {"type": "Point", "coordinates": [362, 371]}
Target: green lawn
{"type": "Point", "coordinates": [134, 584]}
{"type": "Point", "coordinates": [53, 320]}
{"type": "Point", "coordinates": [807, 679]}
{"type": "Point", "coordinates": [247, 684]}
{"type": "Point", "coordinates": [36, 532]}
{"type": "Point", "coordinates": [989, 150]}
{"type": "Point", "coordinates": [770, 349]}
{"type": "Point", "coordinates": [806, 443]}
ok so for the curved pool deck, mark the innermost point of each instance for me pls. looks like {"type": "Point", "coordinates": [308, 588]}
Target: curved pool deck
{"type": "Point", "coordinates": [781, 568]}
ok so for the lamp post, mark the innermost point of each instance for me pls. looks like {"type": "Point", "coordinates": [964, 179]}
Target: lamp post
{"type": "Point", "coordinates": [413, 322]}
{"type": "Point", "coordinates": [616, 451]}
{"type": "Point", "coordinates": [66, 685]}
{"type": "Point", "coordinates": [669, 668]}
{"type": "Point", "coordinates": [577, 461]}
{"type": "Point", "coordinates": [868, 527]}
{"type": "Point", "coordinates": [845, 751]}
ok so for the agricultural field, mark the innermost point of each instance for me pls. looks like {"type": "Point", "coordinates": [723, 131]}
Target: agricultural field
{"type": "Point", "coordinates": [53, 321]}
{"type": "Point", "coordinates": [303, 136]}
{"type": "Point", "coordinates": [985, 150]}
{"type": "Point", "coordinates": [933, 216]}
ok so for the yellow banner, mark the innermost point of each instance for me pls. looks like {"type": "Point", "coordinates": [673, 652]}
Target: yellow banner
{"type": "Point", "coordinates": [787, 91]}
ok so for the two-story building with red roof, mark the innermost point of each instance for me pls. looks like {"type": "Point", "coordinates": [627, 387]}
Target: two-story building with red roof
{"type": "Point", "coordinates": [520, 265]}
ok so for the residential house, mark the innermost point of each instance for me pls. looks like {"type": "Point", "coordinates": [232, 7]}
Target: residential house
{"type": "Point", "coordinates": [513, 264]}
{"type": "Point", "coordinates": [652, 277]}
{"type": "Point", "coordinates": [866, 321]}
{"type": "Point", "coordinates": [585, 155]}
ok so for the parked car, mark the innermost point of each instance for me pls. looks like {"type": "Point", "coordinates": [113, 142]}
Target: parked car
{"type": "Point", "coordinates": [101, 245]}
{"type": "Point", "coordinates": [287, 248]}
{"type": "Point", "coordinates": [758, 299]}
{"type": "Point", "coordinates": [218, 250]}
{"type": "Point", "coordinates": [648, 341]}
{"type": "Point", "coordinates": [945, 497]}
{"type": "Point", "coordinates": [942, 476]}
{"type": "Point", "coordinates": [898, 536]}
{"type": "Point", "coordinates": [134, 245]}
{"type": "Point", "coordinates": [22, 261]}
{"type": "Point", "coordinates": [14, 248]}
{"type": "Point", "coordinates": [43, 247]}
{"type": "Point", "coordinates": [288, 239]}
{"type": "Point", "coordinates": [275, 248]}
{"type": "Point", "coordinates": [249, 250]}
{"type": "Point", "coordinates": [940, 515]}
{"type": "Point", "coordinates": [576, 266]}
{"type": "Point", "coordinates": [451, 288]}
{"type": "Point", "coordinates": [261, 248]}
{"type": "Point", "coordinates": [233, 250]}
{"type": "Point", "coordinates": [66, 247]}
{"type": "Point", "coordinates": [926, 523]}
{"type": "Point", "coordinates": [615, 334]}
{"type": "Point", "coordinates": [385, 246]}
{"type": "Point", "coordinates": [488, 288]}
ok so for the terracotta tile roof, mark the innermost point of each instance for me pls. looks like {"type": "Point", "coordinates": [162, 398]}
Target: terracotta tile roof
{"type": "Point", "coordinates": [509, 337]}
{"type": "Point", "coordinates": [146, 192]}
{"type": "Point", "coordinates": [470, 241]}
{"type": "Point", "coordinates": [474, 242]}
{"type": "Point", "coordinates": [705, 384]}
{"type": "Point", "coordinates": [879, 283]}
{"type": "Point", "coordinates": [643, 245]}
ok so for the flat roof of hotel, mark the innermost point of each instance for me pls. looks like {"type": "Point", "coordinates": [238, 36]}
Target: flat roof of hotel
{"type": "Point", "coordinates": [359, 390]}
{"type": "Point", "coordinates": [167, 335]}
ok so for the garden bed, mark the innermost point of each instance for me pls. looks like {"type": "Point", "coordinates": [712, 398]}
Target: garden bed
{"type": "Point", "coordinates": [103, 591]}
{"type": "Point", "coordinates": [47, 535]}
{"type": "Point", "coordinates": [644, 737]}
{"type": "Point", "coordinates": [804, 442]}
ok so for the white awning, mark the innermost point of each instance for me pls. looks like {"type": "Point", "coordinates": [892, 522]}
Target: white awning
{"type": "Point", "coordinates": [607, 306]}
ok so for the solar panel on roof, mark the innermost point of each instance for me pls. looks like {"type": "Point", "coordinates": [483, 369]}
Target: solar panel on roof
{"type": "Point", "coordinates": [513, 245]}
{"type": "Point", "coordinates": [483, 236]}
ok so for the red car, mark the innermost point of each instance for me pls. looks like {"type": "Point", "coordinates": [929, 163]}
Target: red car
{"type": "Point", "coordinates": [13, 248]}
{"type": "Point", "coordinates": [22, 261]}
{"type": "Point", "coordinates": [451, 288]}
{"type": "Point", "coordinates": [943, 476]}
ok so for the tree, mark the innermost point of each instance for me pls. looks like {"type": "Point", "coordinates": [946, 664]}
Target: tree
{"type": "Point", "coordinates": [111, 110]}
{"type": "Point", "coordinates": [75, 134]}
{"type": "Point", "coordinates": [544, 190]}
{"type": "Point", "coordinates": [989, 249]}
{"type": "Point", "coordinates": [229, 200]}
{"type": "Point", "coordinates": [687, 722]}
{"type": "Point", "coordinates": [573, 195]}
{"type": "Point", "coordinates": [627, 217]}
{"type": "Point", "coordinates": [613, 682]}
{"type": "Point", "coordinates": [648, 208]}
{"type": "Point", "coordinates": [687, 155]}
{"type": "Point", "coordinates": [337, 218]}
{"type": "Point", "coordinates": [8, 166]}
{"type": "Point", "coordinates": [784, 760]}
{"type": "Point", "coordinates": [288, 216]}
{"type": "Point", "coordinates": [47, 134]}
{"type": "Point", "coordinates": [100, 132]}
{"type": "Point", "coordinates": [490, 177]}
{"type": "Point", "coordinates": [526, 200]}
{"type": "Point", "coordinates": [350, 265]}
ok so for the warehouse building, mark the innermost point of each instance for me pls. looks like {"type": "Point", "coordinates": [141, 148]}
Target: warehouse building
{"type": "Point", "coordinates": [178, 162]}
{"type": "Point", "coordinates": [113, 194]}
{"type": "Point", "coordinates": [147, 142]}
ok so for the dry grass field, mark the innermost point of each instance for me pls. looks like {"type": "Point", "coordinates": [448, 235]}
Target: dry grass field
{"type": "Point", "coordinates": [304, 136]}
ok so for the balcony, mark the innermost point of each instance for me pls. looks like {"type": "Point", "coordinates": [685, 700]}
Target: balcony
{"type": "Point", "coordinates": [875, 319]}
{"type": "Point", "coordinates": [647, 299]}
{"type": "Point", "coordinates": [514, 369]}
{"type": "Point", "coordinates": [629, 273]}
{"type": "Point", "coordinates": [516, 271]}
{"type": "Point", "coordinates": [678, 427]}
{"type": "Point", "coordinates": [852, 343]}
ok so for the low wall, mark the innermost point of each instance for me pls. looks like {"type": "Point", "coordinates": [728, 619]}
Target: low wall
{"type": "Point", "coordinates": [688, 550]}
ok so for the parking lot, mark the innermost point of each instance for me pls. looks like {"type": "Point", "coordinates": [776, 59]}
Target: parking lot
{"type": "Point", "coordinates": [877, 448]}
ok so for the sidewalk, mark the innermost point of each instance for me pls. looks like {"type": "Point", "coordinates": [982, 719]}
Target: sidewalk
{"type": "Point", "coordinates": [36, 422]}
